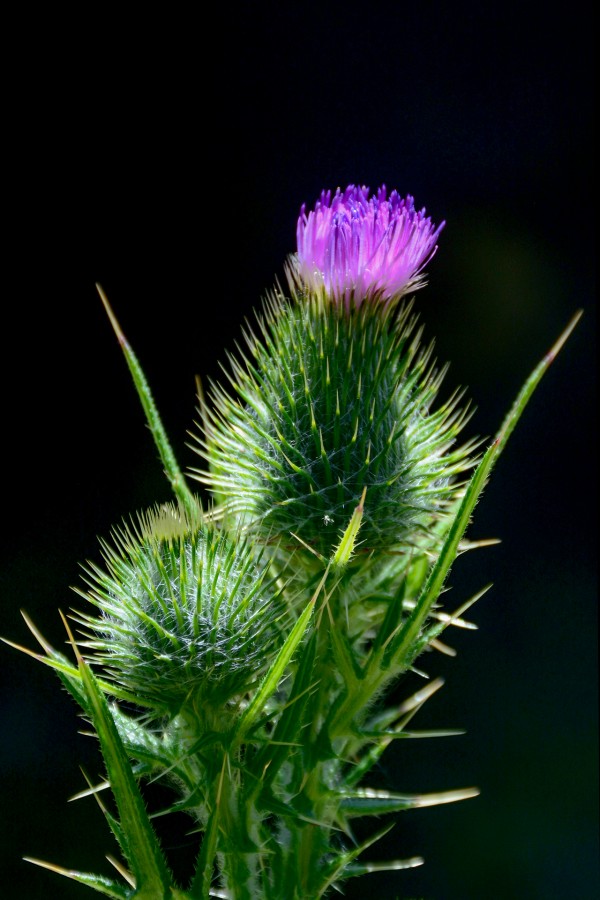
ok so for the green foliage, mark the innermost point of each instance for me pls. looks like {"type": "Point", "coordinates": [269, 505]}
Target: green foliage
{"type": "Point", "coordinates": [247, 651]}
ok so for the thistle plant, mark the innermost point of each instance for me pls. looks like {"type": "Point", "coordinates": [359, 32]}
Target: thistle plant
{"type": "Point", "coordinates": [241, 643]}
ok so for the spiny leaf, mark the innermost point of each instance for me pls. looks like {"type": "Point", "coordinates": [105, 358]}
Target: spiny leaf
{"type": "Point", "coordinates": [400, 647]}
{"type": "Point", "coordinates": [347, 544]}
{"type": "Point", "coordinates": [97, 882]}
{"type": "Point", "coordinates": [144, 854]}
{"type": "Point", "coordinates": [393, 865]}
{"type": "Point", "coordinates": [112, 822]}
{"type": "Point", "coordinates": [386, 718]}
{"type": "Point", "coordinates": [273, 677]}
{"type": "Point", "coordinates": [203, 875]}
{"type": "Point", "coordinates": [275, 751]}
{"type": "Point", "coordinates": [172, 470]}
{"type": "Point", "coordinates": [67, 672]}
{"type": "Point", "coordinates": [377, 803]}
{"type": "Point", "coordinates": [338, 867]}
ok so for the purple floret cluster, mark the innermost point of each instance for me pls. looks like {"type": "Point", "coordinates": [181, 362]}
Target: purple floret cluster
{"type": "Point", "coordinates": [354, 246]}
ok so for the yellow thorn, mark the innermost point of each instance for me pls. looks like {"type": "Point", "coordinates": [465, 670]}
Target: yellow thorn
{"type": "Point", "coordinates": [122, 870]}
{"type": "Point", "coordinates": [23, 650]}
{"type": "Point", "coordinates": [553, 352]}
{"type": "Point", "coordinates": [78, 655]}
{"type": "Point", "coordinates": [113, 319]}
{"type": "Point", "coordinates": [419, 698]}
{"type": "Point", "coordinates": [39, 637]}
{"type": "Point", "coordinates": [446, 797]}
{"type": "Point", "coordinates": [442, 648]}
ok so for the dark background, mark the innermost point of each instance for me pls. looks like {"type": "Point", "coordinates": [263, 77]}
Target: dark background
{"type": "Point", "coordinates": [167, 158]}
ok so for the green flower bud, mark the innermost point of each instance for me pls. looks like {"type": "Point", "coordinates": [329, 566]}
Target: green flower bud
{"type": "Point", "coordinates": [333, 400]}
{"type": "Point", "coordinates": [188, 616]}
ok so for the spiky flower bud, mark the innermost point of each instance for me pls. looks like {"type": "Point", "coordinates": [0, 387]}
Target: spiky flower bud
{"type": "Point", "coordinates": [337, 396]}
{"type": "Point", "coordinates": [188, 617]}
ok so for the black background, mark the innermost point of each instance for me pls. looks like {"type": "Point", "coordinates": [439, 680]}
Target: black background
{"type": "Point", "coordinates": [167, 157]}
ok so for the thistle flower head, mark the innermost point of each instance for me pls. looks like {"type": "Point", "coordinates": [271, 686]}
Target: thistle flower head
{"type": "Point", "coordinates": [354, 246]}
{"type": "Point", "coordinates": [327, 405]}
{"type": "Point", "coordinates": [188, 617]}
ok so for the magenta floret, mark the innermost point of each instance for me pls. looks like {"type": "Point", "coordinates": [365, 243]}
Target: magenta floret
{"type": "Point", "coordinates": [355, 246]}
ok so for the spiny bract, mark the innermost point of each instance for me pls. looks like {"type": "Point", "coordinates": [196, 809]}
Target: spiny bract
{"type": "Point", "coordinates": [188, 615]}
{"type": "Point", "coordinates": [332, 400]}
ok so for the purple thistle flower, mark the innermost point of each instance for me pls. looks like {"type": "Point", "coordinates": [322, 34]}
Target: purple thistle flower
{"type": "Point", "coordinates": [354, 246]}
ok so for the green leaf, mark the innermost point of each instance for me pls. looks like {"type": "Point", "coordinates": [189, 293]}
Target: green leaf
{"type": "Point", "coordinates": [67, 672]}
{"type": "Point", "coordinates": [172, 470]}
{"type": "Point", "coordinates": [345, 659]}
{"type": "Point", "coordinates": [288, 811]}
{"type": "Point", "coordinates": [268, 761]}
{"type": "Point", "coordinates": [530, 385]}
{"type": "Point", "coordinates": [273, 677]}
{"type": "Point", "coordinates": [386, 718]}
{"type": "Point", "coordinates": [347, 544]}
{"type": "Point", "coordinates": [395, 735]}
{"type": "Point", "coordinates": [393, 615]}
{"type": "Point", "coordinates": [97, 882]}
{"type": "Point", "coordinates": [204, 868]}
{"type": "Point", "coordinates": [393, 865]}
{"type": "Point", "coordinates": [144, 855]}
{"type": "Point", "coordinates": [338, 867]}
{"type": "Point", "coordinates": [399, 648]}
{"type": "Point", "coordinates": [378, 803]}
{"type": "Point", "coordinates": [112, 822]}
